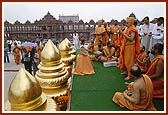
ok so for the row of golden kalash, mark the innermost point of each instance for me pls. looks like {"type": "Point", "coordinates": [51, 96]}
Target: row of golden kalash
{"type": "Point", "coordinates": [49, 89]}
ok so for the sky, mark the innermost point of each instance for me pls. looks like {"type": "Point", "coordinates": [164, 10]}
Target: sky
{"type": "Point", "coordinates": [24, 11]}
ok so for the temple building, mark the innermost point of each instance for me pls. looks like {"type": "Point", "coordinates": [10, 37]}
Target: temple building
{"type": "Point", "coordinates": [51, 28]}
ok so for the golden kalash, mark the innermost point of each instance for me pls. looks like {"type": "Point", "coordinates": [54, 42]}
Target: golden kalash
{"type": "Point", "coordinates": [66, 54]}
{"type": "Point", "coordinates": [25, 94]}
{"type": "Point", "coordinates": [52, 75]}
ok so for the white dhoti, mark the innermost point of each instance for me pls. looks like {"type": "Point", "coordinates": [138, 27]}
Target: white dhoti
{"type": "Point", "coordinates": [145, 41]}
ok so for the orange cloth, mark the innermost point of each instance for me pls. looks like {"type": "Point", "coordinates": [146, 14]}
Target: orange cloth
{"type": "Point", "coordinates": [117, 53]}
{"type": "Point", "coordinates": [158, 84]}
{"type": "Point", "coordinates": [39, 50]}
{"type": "Point", "coordinates": [130, 51]}
{"type": "Point", "coordinates": [16, 53]}
{"type": "Point", "coordinates": [84, 65]}
{"type": "Point", "coordinates": [141, 57]}
{"type": "Point", "coordinates": [96, 57]}
{"type": "Point", "coordinates": [66, 98]}
{"type": "Point", "coordinates": [145, 102]}
{"type": "Point", "coordinates": [106, 36]}
{"type": "Point", "coordinates": [99, 36]}
{"type": "Point", "coordinates": [130, 19]}
{"type": "Point", "coordinates": [108, 54]}
{"type": "Point", "coordinates": [91, 48]}
{"type": "Point", "coordinates": [115, 35]}
{"type": "Point", "coordinates": [22, 50]}
{"type": "Point", "coordinates": [99, 21]}
{"type": "Point", "coordinates": [129, 57]}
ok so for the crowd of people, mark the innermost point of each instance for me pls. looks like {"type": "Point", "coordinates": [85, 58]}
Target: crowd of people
{"type": "Point", "coordinates": [27, 53]}
{"type": "Point", "coordinates": [138, 50]}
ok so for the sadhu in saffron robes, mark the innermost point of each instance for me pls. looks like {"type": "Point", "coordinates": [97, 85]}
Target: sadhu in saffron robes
{"type": "Point", "coordinates": [115, 35]}
{"type": "Point", "coordinates": [145, 102]}
{"type": "Point", "coordinates": [157, 84]}
{"type": "Point", "coordinates": [143, 57]}
{"type": "Point", "coordinates": [84, 65]}
{"type": "Point", "coordinates": [16, 53]}
{"type": "Point", "coordinates": [99, 33]}
{"type": "Point", "coordinates": [39, 50]}
{"type": "Point", "coordinates": [106, 36]}
{"type": "Point", "coordinates": [97, 57]}
{"type": "Point", "coordinates": [108, 53]}
{"type": "Point", "coordinates": [128, 52]}
{"type": "Point", "coordinates": [90, 47]}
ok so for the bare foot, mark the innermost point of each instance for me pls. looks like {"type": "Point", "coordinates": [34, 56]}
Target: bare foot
{"type": "Point", "coordinates": [128, 78]}
{"type": "Point", "coordinates": [118, 66]}
{"type": "Point", "coordinates": [124, 73]}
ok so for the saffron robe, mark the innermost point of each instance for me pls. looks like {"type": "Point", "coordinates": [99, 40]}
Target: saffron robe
{"type": "Point", "coordinates": [16, 53]}
{"type": "Point", "coordinates": [99, 31]}
{"type": "Point", "coordinates": [39, 50]}
{"type": "Point", "coordinates": [141, 58]}
{"type": "Point", "coordinates": [157, 84]}
{"type": "Point", "coordinates": [115, 35]}
{"type": "Point", "coordinates": [108, 54]}
{"type": "Point", "coordinates": [128, 53]}
{"type": "Point", "coordinates": [145, 102]}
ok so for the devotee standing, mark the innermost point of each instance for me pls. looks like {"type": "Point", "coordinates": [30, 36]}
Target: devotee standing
{"type": "Point", "coordinates": [156, 70]}
{"type": "Point", "coordinates": [115, 35]}
{"type": "Point", "coordinates": [146, 33]}
{"type": "Point", "coordinates": [139, 95]}
{"type": "Point", "coordinates": [130, 47]}
{"type": "Point", "coordinates": [99, 32]}
{"type": "Point", "coordinates": [76, 41]}
{"type": "Point", "coordinates": [106, 36]}
{"type": "Point", "coordinates": [157, 34]}
{"type": "Point", "coordinates": [26, 60]}
{"type": "Point", "coordinates": [16, 53]}
{"type": "Point", "coordinates": [154, 21]}
{"type": "Point", "coordinates": [123, 27]}
{"type": "Point", "coordinates": [39, 49]}
{"type": "Point", "coordinates": [6, 54]}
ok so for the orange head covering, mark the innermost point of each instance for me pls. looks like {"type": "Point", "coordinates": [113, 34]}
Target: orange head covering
{"type": "Point", "coordinates": [130, 19]}
{"type": "Point", "coordinates": [99, 22]}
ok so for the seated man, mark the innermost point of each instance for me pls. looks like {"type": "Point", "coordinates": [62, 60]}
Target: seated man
{"type": "Point", "coordinates": [117, 52]}
{"type": "Point", "coordinates": [143, 60]}
{"type": "Point", "coordinates": [109, 51]}
{"type": "Point", "coordinates": [91, 46]}
{"type": "Point", "coordinates": [156, 71]}
{"type": "Point", "coordinates": [139, 96]}
{"type": "Point", "coordinates": [99, 47]}
{"type": "Point", "coordinates": [84, 65]}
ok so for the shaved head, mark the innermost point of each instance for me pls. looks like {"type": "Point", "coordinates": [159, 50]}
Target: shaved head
{"type": "Point", "coordinates": [135, 70]}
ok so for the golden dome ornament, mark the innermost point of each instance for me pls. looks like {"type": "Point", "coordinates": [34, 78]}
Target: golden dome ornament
{"type": "Point", "coordinates": [25, 94]}
{"type": "Point", "coordinates": [52, 75]}
{"type": "Point", "coordinates": [66, 54]}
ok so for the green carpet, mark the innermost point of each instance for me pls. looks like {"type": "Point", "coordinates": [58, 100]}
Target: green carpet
{"type": "Point", "coordinates": [95, 92]}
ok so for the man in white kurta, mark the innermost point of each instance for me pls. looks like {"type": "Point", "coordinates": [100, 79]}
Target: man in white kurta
{"type": "Point", "coordinates": [157, 34]}
{"type": "Point", "coordinates": [146, 32]}
{"type": "Point", "coordinates": [76, 41]}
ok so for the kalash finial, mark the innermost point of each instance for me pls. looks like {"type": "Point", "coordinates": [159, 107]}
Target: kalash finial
{"type": "Point", "coordinates": [52, 75]}
{"type": "Point", "coordinates": [25, 94]}
{"type": "Point", "coordinates": [71, 51]}
{"type": "Point", "coordinates": [66, 56]}
{"type": "Point", "coordinates": [50, 53]}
